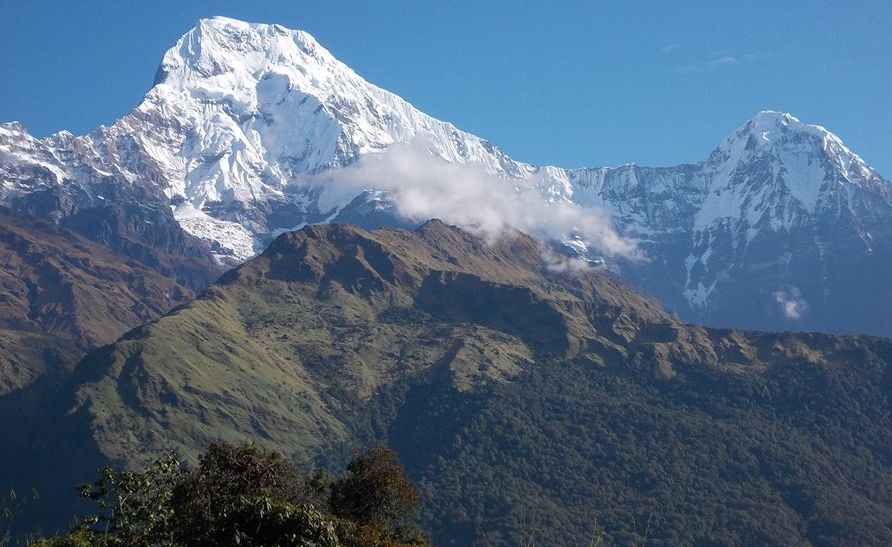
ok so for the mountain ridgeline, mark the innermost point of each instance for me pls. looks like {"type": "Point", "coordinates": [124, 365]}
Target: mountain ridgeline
{"type": "Point", "coordinates": [530, 400]}
{"type": "Point", "coordinates": [781, 227]}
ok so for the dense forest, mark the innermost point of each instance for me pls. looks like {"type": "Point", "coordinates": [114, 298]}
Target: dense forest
{"type": "Point", "coordinates": [798, 455]}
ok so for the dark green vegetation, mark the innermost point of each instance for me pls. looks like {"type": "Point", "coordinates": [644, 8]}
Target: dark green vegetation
{"type": "Point", "coordinates": [527, 404]}
{"type": "Point", "coordinates": [62, 294]}
{"type": "Point", "coordinates": [244, 495]}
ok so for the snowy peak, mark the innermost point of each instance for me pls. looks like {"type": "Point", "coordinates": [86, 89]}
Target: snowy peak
{"type": "Point", "coordinates": [263, 105]}
{"type": "Point", "coordinates": [777, 178]}
{"type": "Point", "coordinates": [774, 156]}
{"type": "Point", "coordinates": [769, 132]}
{"type": "Point", "coordinates": [295, 102]}
{"type": "Point", "coordinates": [26, 163]}
{"type": "Point", "coordinates": [780, 134]}
{"type": "Point", "coordinates": [240, 118]}
{"type": "Point", "coordinates": [228, 54]}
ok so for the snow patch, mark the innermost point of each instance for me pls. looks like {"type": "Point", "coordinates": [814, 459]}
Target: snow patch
{"type": "Point", "coordinates": [236, 241]}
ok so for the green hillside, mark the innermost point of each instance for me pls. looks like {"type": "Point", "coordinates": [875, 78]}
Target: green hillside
{"type": "Point", "coordinates": [529, 405]}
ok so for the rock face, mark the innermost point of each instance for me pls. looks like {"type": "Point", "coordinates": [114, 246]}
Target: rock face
{"type": "Point", "coordinates": [63, 179]}
{"type": "Point", "coordinates": [781, 227]}
{"type": "Point", "coordinates": [62, 295]}
{"type": "Point", "coordinates": [516, 394]}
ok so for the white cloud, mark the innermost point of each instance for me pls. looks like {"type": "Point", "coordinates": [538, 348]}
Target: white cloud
{"type": "Point", "coordinates": [423, 187]}
{"type": "Point", "coordinates": [669, 48]}
{"type": "Point", "coordinates": [722, 59]}
{"type": "Point", "coordinates": [793, 306]}
{"type": "Point", "coordinates": [726, 60]}
{"type": "Point", "coordinates": [558, 263]}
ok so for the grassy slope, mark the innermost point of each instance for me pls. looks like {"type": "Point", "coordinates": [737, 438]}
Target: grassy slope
{"type": "Point", "coordinates": [277, 353]}
{"type": "Point", "coordinates": [524, 402]}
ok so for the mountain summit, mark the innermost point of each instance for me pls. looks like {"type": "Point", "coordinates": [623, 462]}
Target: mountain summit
{"type": "Point", "coordinates": [811, 163]}
{"type": "Point", "coordinates": [264, 105]}
{"type": "Point", "coordinates": [242, 134]}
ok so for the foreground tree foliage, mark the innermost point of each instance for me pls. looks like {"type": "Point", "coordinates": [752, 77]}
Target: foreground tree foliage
{"type": "Point", "coordinates": [247, 496]}
{"type": "Point", "coordinates": [375, 490]}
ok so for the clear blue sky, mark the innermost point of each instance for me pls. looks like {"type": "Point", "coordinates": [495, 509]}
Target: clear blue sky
{"type": "Point", "coordinates": [566, 83]}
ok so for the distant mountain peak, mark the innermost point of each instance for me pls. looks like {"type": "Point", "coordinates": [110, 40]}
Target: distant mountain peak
{"type": "Point", "coordinates": [775, 117]}
{"type": "Point", "coordinates": [13, 127]}
{"type": "Point", "coordinates": [225, 48]}
{"type": "Point", "coordinates": [775, 147]}
{"type": "Point", "coordinates": [769, 129]}
{"type": "Point", "coordinates": [772, 132]}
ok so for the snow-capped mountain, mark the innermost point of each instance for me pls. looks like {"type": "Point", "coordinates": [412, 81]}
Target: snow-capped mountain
{"type": "Point", "coordinates": [81, 184]}
{"type": "Point", "coordinates": [777, 176]}
{"type": "Point", "coordinates": [237, 112]}
{"type": "Point", "coordinates": [781, 227]}
{"type": "Point", "coordinates": [225, 146]}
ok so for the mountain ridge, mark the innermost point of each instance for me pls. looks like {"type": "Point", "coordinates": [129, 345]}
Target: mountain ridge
{"type": "Point", "coordinates": [243, 117]}
{"type": "Point", "coordinates": [512, 390]}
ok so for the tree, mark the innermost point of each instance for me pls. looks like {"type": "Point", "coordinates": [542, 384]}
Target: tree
{"type": "Point", "coordinates": [266, 521]}
{"type": "Point", "coordinates": [136, 506]}
{"type": "Point", "coordinates": [376, 491]}
{"type": "Point", "coordinates": [226, 476]}
{"type": "Point", "coordinates": [247, 496]}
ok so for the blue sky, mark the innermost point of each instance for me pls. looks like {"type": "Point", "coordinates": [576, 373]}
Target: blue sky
{"type": "Point", "coordinates": [566, 83]}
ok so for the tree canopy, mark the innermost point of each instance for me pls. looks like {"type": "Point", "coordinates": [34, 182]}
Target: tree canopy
{"type": "Point", "coordinates": [249, 496]}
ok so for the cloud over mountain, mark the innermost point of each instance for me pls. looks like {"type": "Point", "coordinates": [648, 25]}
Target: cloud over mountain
{"type": "Point", "coordinates": [423, 186]}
